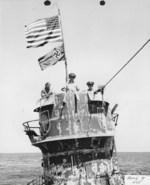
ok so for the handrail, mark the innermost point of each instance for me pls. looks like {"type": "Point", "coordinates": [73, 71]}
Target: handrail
{"type": "Point", "coordinates": [38, 181]}
{"type": "Point", "coordinates": [115, 118]}
{"type": "Point", "coordinates": [27, 126]}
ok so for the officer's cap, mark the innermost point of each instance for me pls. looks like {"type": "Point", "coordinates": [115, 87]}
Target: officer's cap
{"type": "Point", "coordinates": [47, 84]}
{"type": "Point", "coordinates": [72, 75]}
{"type": "Point", "coordinates": [90, 83]}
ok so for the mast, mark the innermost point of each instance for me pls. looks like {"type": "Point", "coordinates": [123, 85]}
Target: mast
{"type": "Point", "coordinates": [66, 65]}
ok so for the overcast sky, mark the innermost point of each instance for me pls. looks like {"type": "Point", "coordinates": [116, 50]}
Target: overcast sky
{"type": "Point", "coordinates": [98, 42]}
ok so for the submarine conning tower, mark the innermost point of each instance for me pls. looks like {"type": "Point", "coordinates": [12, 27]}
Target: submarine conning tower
{"type": "Point", "coordinates": [76, 137]}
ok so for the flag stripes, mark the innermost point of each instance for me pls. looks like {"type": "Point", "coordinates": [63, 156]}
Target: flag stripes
{"type": "Point", "coordinates": [36, 38]}
{"type": "Point", "coordinates": [50, 23]}
{"type": "Point", "coordinates": [43, 31]}
{"type": "Point", "coordinates": [41, 39]}
{"type": "Point", "coordinates": [37, 45]}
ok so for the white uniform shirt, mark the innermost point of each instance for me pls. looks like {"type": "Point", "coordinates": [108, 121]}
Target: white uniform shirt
{"type": "Point", "coordinates": [72, 87]}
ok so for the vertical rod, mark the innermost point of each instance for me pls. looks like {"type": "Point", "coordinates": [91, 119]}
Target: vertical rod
{"type": "Point", "coordinates": [72, 163]}
{"type": "Point", "coordinates": [66, 65]}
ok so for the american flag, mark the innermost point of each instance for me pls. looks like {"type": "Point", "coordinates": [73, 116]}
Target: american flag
{"type": "Point", "coordinates": [43, 31]}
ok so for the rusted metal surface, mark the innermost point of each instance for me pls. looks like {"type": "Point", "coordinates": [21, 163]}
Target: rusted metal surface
{"type": "Point", "coordinates": [89, 173]}
{"type": "Point", "coordinates": [100, 145]}
{"type": "Point", "coordinates": [77, 141]}
{"type": "Point", "coordinates": [80, 161]}
{"type": "Point", "coordinates": [78, 117]}
{"type": "Point", "coordinates": [72, 117]}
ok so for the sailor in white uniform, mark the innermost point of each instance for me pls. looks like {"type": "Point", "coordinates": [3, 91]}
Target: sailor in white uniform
{"type": "Point", "coordinates": [90, 90]}
{"type": "Point", "coordinates": [71, 85]}
{"type": "Point", "coordinates": [48, 96]}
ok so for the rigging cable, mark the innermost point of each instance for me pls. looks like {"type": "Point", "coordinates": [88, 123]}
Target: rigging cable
{"type": "Point", "coordinates": [126, 63]}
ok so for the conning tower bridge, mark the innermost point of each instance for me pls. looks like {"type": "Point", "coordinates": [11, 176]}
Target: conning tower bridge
{"type": "Point", "coordinates": [71, 116]}
{"type": "Point", "coordinates": [76, 137]}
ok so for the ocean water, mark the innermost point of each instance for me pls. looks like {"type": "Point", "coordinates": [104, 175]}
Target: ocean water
{"type": "Point", "coordinates": [19, 169]}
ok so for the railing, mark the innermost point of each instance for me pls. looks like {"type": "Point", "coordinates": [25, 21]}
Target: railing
{"type": "Point", "coordinates": [32, 129]}
{"type": "Point", "coordinates": [115, 118]}
{"type": "Point", "coordinates": [38, 131]}
{"type": "Point", "coordinates": [28, 127]}
{"type": "Point", "coordinates": [38, 181]}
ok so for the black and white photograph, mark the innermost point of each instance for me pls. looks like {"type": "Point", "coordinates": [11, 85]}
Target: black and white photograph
{"type": "Point", "coordinates": [75, 92]}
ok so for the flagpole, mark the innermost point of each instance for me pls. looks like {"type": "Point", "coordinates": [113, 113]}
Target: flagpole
{"type": "Point", "coordinates": [66, 65]}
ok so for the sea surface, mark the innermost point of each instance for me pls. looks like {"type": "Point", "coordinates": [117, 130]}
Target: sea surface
{"type": "Point", "coordinates": [21, 168]}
